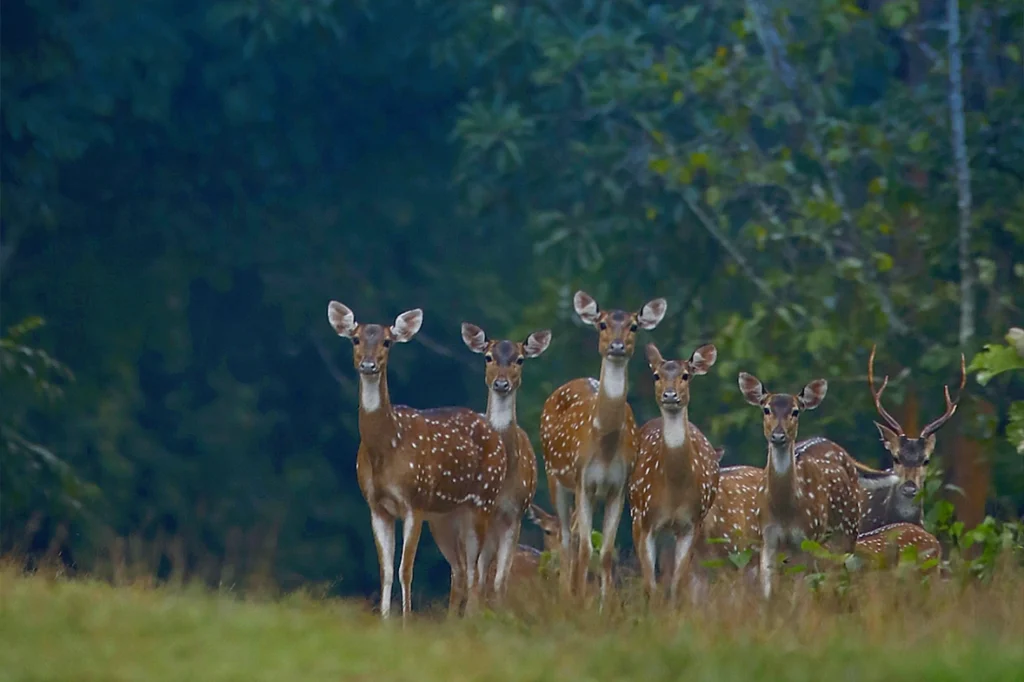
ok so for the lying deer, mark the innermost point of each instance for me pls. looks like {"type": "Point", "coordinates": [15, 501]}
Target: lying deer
{"type": "Point", "coordinates": [885, 545]}
{"type": "Point", "coordinates": [416, 465]}
{"type": "Point", "coordinates": [503, 374]}
{"type": "Point", "coordinates": [675, 478]}
{"type": "Point", "coordinates": [588, 436]}
{"type": "Point", "coordinates": [814, 497]}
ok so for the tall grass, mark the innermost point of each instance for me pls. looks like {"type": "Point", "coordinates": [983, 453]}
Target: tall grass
{"type": "Point", "coordinates": [877, 625]}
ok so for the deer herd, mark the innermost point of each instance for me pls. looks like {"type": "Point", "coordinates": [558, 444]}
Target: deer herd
{"type": "Point", "coordinates": [472, 478]}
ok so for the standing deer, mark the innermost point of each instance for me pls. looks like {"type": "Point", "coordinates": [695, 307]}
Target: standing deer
{"type": "Point", "coordinates": [503, 373]}
{"type": "Point", "coordinates": [814, 497]}
{"type": "Point", "coordinates": [415, 465]}
{"type": "Point", "coordinates": [588, 435]}
{"type": "Point", "coordinates": [892, 496]}
{"type": "Point", "coordinates": [675, 478]}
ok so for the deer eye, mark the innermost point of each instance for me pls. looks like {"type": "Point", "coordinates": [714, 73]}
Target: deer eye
{"type": "Point", "coordinates": [686, 376]}
{"type": "Point", "coordinates": [633, 327]}
{"type": "Point", "coordinates": [796, 413]}
{"type": "Point", "coordinates": [767, 411]}
{"type": "Point", "coordinates": [387, 343]}
{"type": "Point", "coordinates": [602, 325]}
{"type": "Point", "coordinates": [488, 358]}
{"type": "Point", "coordinates": [657, 377]}
{"type": "Point", "coordinates": [355, 340]}
{"type": "Point", "coordinates": [519, 360]}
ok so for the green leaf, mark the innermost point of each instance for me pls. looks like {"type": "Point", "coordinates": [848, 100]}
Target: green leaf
{"type": "Point", "coordinates": [918, 141]}
{"type": "Point", "coordinates": [993, 361]}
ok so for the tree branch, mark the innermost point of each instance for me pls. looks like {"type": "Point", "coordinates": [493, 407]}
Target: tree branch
{"type": "Point", "coordinates": [774, 47]}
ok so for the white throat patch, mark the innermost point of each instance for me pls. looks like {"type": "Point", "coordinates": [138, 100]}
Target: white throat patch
{"type": "Point", "coordinates": [501, 410]}
{"type": "Point", "coordinates": [613, 379]}
{"type": "Point", "coordinates": [369, 393]}
{"type": "Point", "coordinates": [673, 428]}
{"type": "Point", "coordinates": [780, 458]}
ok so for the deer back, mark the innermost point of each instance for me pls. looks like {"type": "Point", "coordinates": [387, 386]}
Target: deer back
{"type": "Point", "coordinates": [442, 459]}
{"type": "Point", "coordinates": [733, 515]}
{"type": "Point", "coordinates": [884, 546]}
{"type": "Point", "coordinates": [569, 437]}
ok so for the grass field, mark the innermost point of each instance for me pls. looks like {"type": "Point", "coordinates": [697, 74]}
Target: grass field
{"type": "Point", "coordinates": [881, 629]}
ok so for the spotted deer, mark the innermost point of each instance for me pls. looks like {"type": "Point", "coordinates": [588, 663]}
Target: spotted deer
{"type": "Point", "coordinates": [415, 465]}
{"type": "Point", "coordinates": [675, 478]}
{"type": "Point", "coordinates": [588, 437]}
{"type": "Point", "coordinates": [885, 545]}
{"type": "Point", "coordinates": [814, 497]}
{"type": "Point", "coordinates": [503, 373]}
{"type": "Point", "coordinates": [892, 496]}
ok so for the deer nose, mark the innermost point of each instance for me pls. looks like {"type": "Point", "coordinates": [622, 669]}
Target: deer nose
{"type": "Point", "coordinates": [617, 348]}
{"type": "Point", "coordinates": [368, 367]}
{"type": "Point", "coordinates": [502, 385]}
{"type": "Point", "coordinates": [778, 437]}
{"type": "Point", "coordinates": [669, 396]}
{"type": "Point", "coordinates": [909, 488]}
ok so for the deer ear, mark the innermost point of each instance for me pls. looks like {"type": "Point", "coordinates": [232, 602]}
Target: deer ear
{"type": "Point", "coordinates": [537, 343]}
{"type": "Point", "coordinates": [549, 523]}
{"type": "Point", "coordinates": [703, 358]}
{"type": "Point", "coordinates": [474, 337]}
{"type": "Point", "coordinates": [654, 358]}
{"type": "Point", "coordinates": [652, 313]}
{"type": "Point", "coordinates": [813, 394]}
{"type": "Point", "coordinates": [752, 389]}
{"type": "Point", "coordinates": [586, 307]}
{"type": "Point", "coordinates": [406, 325]}
{"type": "Point", "coordinates": [890, 439]}
{"type": "Point", "coordinates": [342, 319]}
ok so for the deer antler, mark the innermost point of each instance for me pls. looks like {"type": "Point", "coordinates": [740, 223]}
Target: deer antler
{"type": "Point", "coordinates": [950, 404]}
{"type": "Point", "coordinates": [878, 394]}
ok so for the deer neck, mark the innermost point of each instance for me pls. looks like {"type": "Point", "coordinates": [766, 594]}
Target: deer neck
{"type": "Point", "coordinates": [377, 427]}
{"type": "Point", "coordinates": [501, 415]}
{"type": "Point", "coordinates": [676, 444]}
{"type": "Point", "coordinates": [782, 475]}
{"type": "Point", "coordinates": [610, 411]}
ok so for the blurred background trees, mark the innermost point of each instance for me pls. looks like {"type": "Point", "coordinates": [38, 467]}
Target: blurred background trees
{"type": "Point", "coordinates": [186, 185]}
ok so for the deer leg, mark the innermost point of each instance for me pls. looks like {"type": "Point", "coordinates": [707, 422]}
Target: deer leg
{"type": "Point", "coordinates": [681, 567]}
{"type": "Point", "coordinates": [475, 570]}
{"type": "Point", "coordinates": [447, 542]}
{"type": "Point", "coordinates": [563, 507]}
{"type": "Point", "coordinates": [383, 527]}
{"type": "Point", "coordinates": [768, 557]}
{"type": "Point", "coordinates": [584, 527]}
{"type": "Point", "coordinates": [411, 529]}
{"type": "Point", "coordinates": [506, 544]}
{"type": "Point", "coordinates": [644, 541]}
{"type": "Point", "coordinates": [610, 528]}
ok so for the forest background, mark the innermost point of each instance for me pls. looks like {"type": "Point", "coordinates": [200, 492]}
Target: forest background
{"type": "Point", "coordinates": [187, 184]}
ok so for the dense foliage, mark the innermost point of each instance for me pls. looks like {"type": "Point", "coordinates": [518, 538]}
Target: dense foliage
{"type": "Point", "coordinates": [185, 186]}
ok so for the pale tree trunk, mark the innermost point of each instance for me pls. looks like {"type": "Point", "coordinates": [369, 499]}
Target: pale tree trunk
{"type": "Point", "coordinates": [958, 139]}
